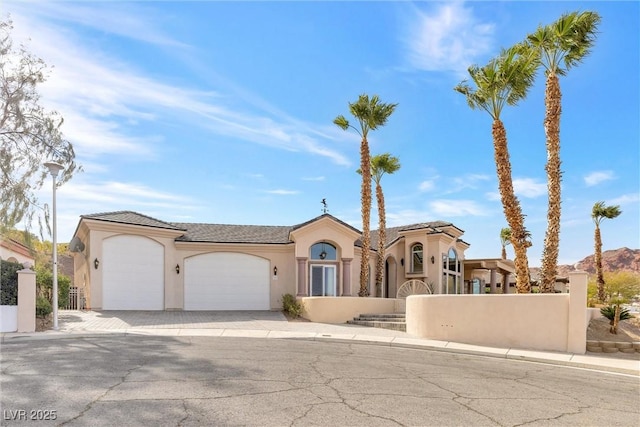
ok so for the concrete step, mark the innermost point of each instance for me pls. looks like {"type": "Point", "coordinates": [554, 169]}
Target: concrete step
{"type": "Point", "coordinates": [396, 326]}
{"type": "Point", "coordinates": [384, 315]}
{"type": "Point", "coordinates": [381, 319]}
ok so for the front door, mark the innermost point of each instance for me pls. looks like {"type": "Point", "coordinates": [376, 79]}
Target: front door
{"type": "Point", "coordinates": [323, 280]}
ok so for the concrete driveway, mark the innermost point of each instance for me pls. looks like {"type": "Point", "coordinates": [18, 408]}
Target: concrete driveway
{"type": "Point", "coordinates": [162, 322]}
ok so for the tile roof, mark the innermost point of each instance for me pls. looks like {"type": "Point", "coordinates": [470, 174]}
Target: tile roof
{"type": "Point", "coordinates": [394, 232]}
{"type": "Point", "coordinates": [130, 217]}
{"type": "Point", "coordinates": [226, 233]}
{"type": "Point", "coordinates": [326, 215]}
{"type": "Point", "coordinates": [260, 234]}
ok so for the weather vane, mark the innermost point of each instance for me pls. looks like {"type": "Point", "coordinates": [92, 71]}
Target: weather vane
{"type": "Point", "coordinates": [324, 206]}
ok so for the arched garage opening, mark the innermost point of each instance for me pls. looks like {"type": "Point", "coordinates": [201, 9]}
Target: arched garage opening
{"type": "Point", "coordinates": [132, 273]}
{"type": "Point", "coordinates": [226, 281]}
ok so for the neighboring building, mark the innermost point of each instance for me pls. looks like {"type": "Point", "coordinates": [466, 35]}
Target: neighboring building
{"type": "Point", "coordinates": [134, 262]}
{"type": "Point", "coordinates": [490, 275]}
{"type": "Point", "coordinates": [14, 251]}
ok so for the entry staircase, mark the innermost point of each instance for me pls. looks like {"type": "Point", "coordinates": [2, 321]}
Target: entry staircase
{"type": "Point", "coordinates": [393, 321]}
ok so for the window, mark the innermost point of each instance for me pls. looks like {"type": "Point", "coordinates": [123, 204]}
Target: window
{"type": "Point", "coordinates": [323, 281]}
{"type": "Point", "coordinates": [416, 258]}
{"type": "Point", "coordinates": [451, 273]}
{"type": "Point", "coordinates": [324, 251]}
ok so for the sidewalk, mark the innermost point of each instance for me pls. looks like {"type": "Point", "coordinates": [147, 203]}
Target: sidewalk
{"type": "Point", "coordinates": [77, 324]}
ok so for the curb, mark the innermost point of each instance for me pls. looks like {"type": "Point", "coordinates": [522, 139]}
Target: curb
{"type": "Point", "coordinates": [611, 365]}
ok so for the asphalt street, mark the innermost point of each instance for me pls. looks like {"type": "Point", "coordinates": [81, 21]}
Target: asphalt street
{"type": "Point", "coordinates": [196, 381]}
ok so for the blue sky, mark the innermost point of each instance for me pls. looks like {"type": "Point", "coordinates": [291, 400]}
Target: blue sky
{"type": "Point", "coordinates": [221, 112]}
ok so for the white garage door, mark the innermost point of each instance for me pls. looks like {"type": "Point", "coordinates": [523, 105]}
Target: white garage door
{"type": "Point", "coordinates": [226, 281]}
{"type": "Point", "coordinates": [133, 274]}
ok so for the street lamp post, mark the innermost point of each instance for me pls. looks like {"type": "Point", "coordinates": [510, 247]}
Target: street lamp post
{"type": "Point", "coordinates": [54, 168]}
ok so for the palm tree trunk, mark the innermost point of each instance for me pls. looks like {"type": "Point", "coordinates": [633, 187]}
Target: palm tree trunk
{"type": "Point", "coordinates": [504, 252]}
{"type": "Point", "coordinates": [616, 320]}
{"type": "Point", "coordinates": [511, 207]}
{"type": "Point", "coordinates": [365, 167]}
{"type": "Point", "coordinates": [597, 255]}
{"type": "Point", "coordinates": [382, 237]}
{"type": "Point", "coordinates": [553, 102]}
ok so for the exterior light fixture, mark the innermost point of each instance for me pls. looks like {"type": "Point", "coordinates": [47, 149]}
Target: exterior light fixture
{"type": "Point", "coordinates": [54, 168]}
{"type": "Point", "coordinates": [275, 271]}
{"type": "Point", "coordinates": [433, 259]}
{"type": "Point", "coordinates": [177, 268]}
{"type": "Point", "coordinates": [96, 263]}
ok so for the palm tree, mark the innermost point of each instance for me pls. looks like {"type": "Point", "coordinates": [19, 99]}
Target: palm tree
{"type": "Point", "coordinates": [598, 213]}
{"type": "Point", "coordinates": [381, 164]}
{"type": "Point", "coordinates": [505, 80]}
{"type": "Point", "coordinates": [561, 46]}
{"type": "Point", "coordinates": [505, 240]}
{"type": "Point", "coordinates": [370, 114]}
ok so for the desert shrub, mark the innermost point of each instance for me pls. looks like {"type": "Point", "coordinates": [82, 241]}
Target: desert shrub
{"type": "Point", "coordinates": [43, 307]}
{"type": "Point", "coordinates": [609, 312]}
{"type": "Point", "coordinates": [291, 306]}
{"type": "Point", "coordinates": [9, 282]}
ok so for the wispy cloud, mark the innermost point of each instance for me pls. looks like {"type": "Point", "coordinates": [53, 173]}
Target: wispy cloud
{"type": "Point", "coordinates": [97, 91]}
{"type": "Point", "coordinates": [470, 181]}
{"type": "Point", "coordinates": [120, 194]}
{"type": "Point", "coordinates": [314, 178]}
{"type": "Point", "coordinates": [404, 217]}
{"type": "Point", "coordinates": [529, 187]}
{"type": "Point", "coordinates": [447, 38]}
{"type": "Point", "coordinates": [625, 199]}
{"type": "Point", "coordinates": [595, 178]}
{"type": "Point", "coordinates": [427, 185]}
{"type": "Point", "coordinates": [121, 21]}
{"type": "Point", "coordinates": [455, 208]}
{"type": "Point", "coordinates": [282, 192]}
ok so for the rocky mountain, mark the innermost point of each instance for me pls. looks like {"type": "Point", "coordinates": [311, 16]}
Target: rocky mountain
{"type": "Point", "coordinates": [623, 259]}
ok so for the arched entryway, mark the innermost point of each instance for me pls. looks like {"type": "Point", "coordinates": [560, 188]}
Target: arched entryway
{"type": "Point", "coordinates": [390, 278]}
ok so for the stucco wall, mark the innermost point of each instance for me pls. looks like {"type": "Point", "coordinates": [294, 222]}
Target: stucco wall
{"type": "Point", "coordinates": [341, 309]}
{"type": "Point", "coordinates": [521, 321]}
{"type": "Point", "coordinates": [555, 322]}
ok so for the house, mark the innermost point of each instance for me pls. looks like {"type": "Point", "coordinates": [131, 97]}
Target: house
{"type": "Point", "coordinates": [131, 261]}
{"type": "Point", "coordinates": [14, 251]}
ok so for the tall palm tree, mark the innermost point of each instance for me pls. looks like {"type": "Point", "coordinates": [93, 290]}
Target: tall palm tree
{"type": "Point", "coordinates": [505, 240]}
{"type": "Point", "coordinates": [598, 213]}
{"type": "Point", "coordinates": [505, 80]}
{"type": "Point", "coordinates": [561, 45]}
{"type": "Point", "coordinates": [381, 164]}
{"type": "Point", "coordinates": [370, 114]}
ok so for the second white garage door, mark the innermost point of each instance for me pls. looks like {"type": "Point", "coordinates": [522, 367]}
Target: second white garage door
{"type": "Point", "coordinates": [226, 281]}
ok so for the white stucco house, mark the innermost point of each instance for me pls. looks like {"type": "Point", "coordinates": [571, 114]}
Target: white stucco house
{"type": "Point", "coordinates": [131, 261]}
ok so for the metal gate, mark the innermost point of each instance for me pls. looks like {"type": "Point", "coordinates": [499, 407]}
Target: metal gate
{"type": "Point", "coordinates": [76, 299]}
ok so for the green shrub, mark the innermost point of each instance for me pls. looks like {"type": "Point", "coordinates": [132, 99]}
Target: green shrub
{"type": "Point", "coordinates": [43, 307]}
{"type": "Point", "coordinates": [610, 311]}
{"type": "Point", "coordinates": [291, 306]}
{"type": "Point", "coordinates": [9, 282]}
{"type": "Point", "coordinates": [44, 285]}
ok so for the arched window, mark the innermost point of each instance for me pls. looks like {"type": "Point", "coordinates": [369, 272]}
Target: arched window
{"type": "Point", "coordinates": [324, 251]}
{"type": "Point", "coordinates": [451, 273]}
{"type": "Point", "coordinates": [416, 258]}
